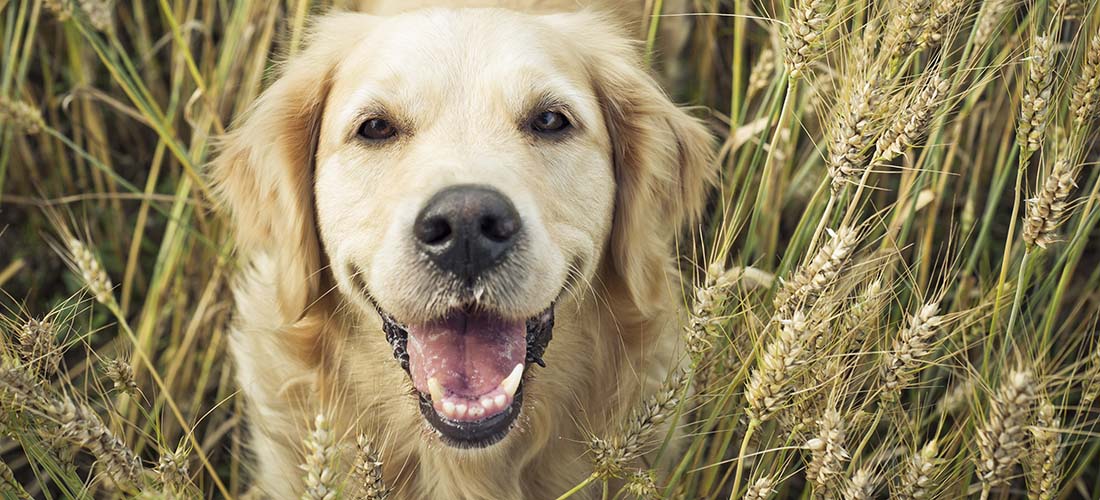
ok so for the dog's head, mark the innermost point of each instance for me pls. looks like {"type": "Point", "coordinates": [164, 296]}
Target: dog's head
{"type": "Point", "coordinates": [455, 172]}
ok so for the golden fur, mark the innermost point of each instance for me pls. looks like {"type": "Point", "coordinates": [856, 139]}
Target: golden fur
{"type": "Point", "coordinates": [308, 204]}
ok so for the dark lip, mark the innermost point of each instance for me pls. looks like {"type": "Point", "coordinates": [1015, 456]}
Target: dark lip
{"type": "Point", "coordinates": [477, 434]}
{"type": "Point", "coordinates": [488, 431]}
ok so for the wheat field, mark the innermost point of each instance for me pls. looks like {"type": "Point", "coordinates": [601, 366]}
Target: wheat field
{"type": "Point", "coordinates": [894, 293]}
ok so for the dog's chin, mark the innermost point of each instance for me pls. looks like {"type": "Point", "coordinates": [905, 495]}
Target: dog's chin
{"type": "Point", "coordinates": [468, 369]}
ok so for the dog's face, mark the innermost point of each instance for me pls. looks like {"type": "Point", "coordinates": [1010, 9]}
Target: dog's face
{"type": "Point", "coordinates": [463, 177]}
{"type": "Point", "coordinates": [463, 171]}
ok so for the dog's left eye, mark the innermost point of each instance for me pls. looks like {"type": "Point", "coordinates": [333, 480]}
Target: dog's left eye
{"type": "Point", "coordinates": [550, 122]}
{"type": "Point", "coordinates": [377, 129]}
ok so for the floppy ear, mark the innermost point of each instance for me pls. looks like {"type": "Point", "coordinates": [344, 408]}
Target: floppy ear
{"type": "Point", "coordinates": [664, 161]}
{"type": "Point", "coordinates": [263, 173]}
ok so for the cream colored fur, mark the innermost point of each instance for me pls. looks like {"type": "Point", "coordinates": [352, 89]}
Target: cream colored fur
{"type": "Point", "coordinates": [312, 206]}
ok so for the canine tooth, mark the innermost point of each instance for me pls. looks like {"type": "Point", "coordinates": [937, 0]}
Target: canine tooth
{"type": "Point", "coordinates": [460, 410]}
{"type": "Point", "coordinates": [511, 384]}
{"type": "Point", "coordinates": [500, 400]}
{"type": "Point", "coordinates": [448, 408]}
{"type": "Point", "coordinates": [436, 389]}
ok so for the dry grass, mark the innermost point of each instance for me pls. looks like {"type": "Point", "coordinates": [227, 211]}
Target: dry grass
{"type": "Point", "coordinates": [919, 177]}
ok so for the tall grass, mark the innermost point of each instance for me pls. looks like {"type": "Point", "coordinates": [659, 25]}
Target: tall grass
{"type": "Point", "coordinates": [894, 292]}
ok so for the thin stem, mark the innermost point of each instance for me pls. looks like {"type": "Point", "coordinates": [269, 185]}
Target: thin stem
{"type": "Point", "coordinates": [576, 489]}
{"type": "Point", "coordinates": [753, 424]}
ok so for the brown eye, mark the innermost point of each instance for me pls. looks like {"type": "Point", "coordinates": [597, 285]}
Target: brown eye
{"type": "Point", "coordinates": [377, 129]}
{"type": "Point", "coordinates": [549, 122]}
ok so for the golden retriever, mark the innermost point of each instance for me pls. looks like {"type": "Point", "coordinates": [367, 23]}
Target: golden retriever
{"type": "Point", "coordinates": [458, 229]}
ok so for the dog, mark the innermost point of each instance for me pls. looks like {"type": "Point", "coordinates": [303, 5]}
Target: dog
{"type": "Point", "coordinates": [457, 229]}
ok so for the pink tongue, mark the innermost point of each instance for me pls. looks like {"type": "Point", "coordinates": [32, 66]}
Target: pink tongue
{"type": "Point", "coordinates": [470, 354]}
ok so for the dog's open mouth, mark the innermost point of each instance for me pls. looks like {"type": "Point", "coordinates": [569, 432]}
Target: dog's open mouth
{"type": "Point", "coordinates": [468, 369]}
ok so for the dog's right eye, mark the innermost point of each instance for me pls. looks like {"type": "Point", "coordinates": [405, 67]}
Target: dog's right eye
{"type": "Point", "coordinates": [377, 129]}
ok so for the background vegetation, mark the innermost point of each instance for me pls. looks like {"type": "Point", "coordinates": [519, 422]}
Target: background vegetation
{"type": "Point", "coordinates": [896, 289]}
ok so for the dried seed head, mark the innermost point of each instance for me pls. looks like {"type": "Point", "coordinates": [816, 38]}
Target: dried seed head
{"type": "Point", "coordinates": [1085, 100]}
{"type": "Point", "coordinates": [805, 39]}
{"type": "Point", "coordinates": [1001, 439]}
{"type": "Point", "coordinates": [860, 317]}
{"type": "Point", "coordinates": [612, 456]}
{"type": "Point", "coordinates": [62, 9]}
{"type": "Point", "coordinates": [909, 129]}
{"type": "Point", "coordinates": [918, 480]}
{"type": "Point", "coordinates": [1038, 92]}
{"type": "Point", "coordinates": [816, 276]}
{"type": "Point", "coordinates": [862, 486]}
{"type": "Point", "coordinates": [95, 278]}
{"type": "Point", "coordinates": [321, 461]}
{"type": "Point", "coordinates": [943, 17]}
{"type": "Point", "coordinates": [851, 138]}
{"type": "Point", "coordinates": [81, 427]}
{"type": "Point", "coordinates": [911, 345]}
{"type": "Point", "coordinates": [906, 25]}
{"type": "Point", "coordinates": [771, 383]}
{"type": "Point", "coordinates": [762, 71]}
{"type": "Point", "coordinates": [37, 348]}
{"type": "Point", "coordinates": [172, 472]}
{"type": "Point", "coordinates": [762, 489]}
{"type": "Point", "coordinates": [956, 397]}
{"type": "Point", "coordinates": [122, 375]}
{"type": "Point", "coordinates": [366, 478]}
{"type": "Point", "coordinates": [989, 20]}
{"type": "Point", "coordinates": [9, 486]}
{"type": "Point", "coordinates": [99, 14]}
{"type": "Point", "coordinates": [827, 454]}
{"type": "Point", "coordinates": [1047, 210]}
{"type": "Point", "coordinates": [705, 320]}
{"type": "Point", "coordinates": [21, 116]}
{"type": "Point", "coordinates": [642, 484]}
{"type": "Point", "coordinates": [1045, 460]}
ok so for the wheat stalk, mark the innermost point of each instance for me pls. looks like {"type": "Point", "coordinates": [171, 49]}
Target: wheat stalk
{"type": "Point", "coordinates": [76, 424]}
{"type": "Point", "coordinates": [95, 278]}
{"type": "Point", "coordinates": [366, 478]}
{"type": "Point", "coordinates": [806, 35]}
{"type": "Point", "coordinates": [762, 71]}
{"type": "Point", "coordinates": [852, 136]}
{"type": "Point", "coordinates": [906, 25]}
{"type": "Point", "coordinates": [612, 456]}
{"type": "Point", "coordinates": [99, 14]}
{"type": "Point", "coordinates": [21, 116]}
{"type": "Point", "coordinates": [705, 316]}
{"type": "Point", "coordinates": [827, 453]}
{"type": "Point", "coordinates": [1045, 460]}
{"type": "Point", "coordinates": [1085, 98]}
{"type": "Point", "coordinates": [861, 486]}
{"type": "Point", "coordinates": [321, 461]}
{"type": "Point", "coordinates": [918, 479]}
{"type": "Point", "coordinates": [1001, 439]}
{"type": "Point", "coordinates": [989, 20]}
{"type": "Point", "coordinates": [642, 484]}
{"type": "Point", "coordinates": [1047, 210]}
{"type": "Point", "coordinates": [911, 345]}
{"type": "Point", "coordinates": [770, 384]}
{"type": "Point", "coordinates": [815, 276]}
{"type": "Point", "coordinates": [37, 348]}
{"type": "Point", "coordinates": [762, 489]}
{"type": "Point", "coordinates": [910, 127]}
{"type": "Point", "coordinates": [1038, 91]}
{"type": "Point", "coordinates": [9, 486]}
{"type": "Point", "coordinates": [944, 14]}
{"type": "Point", "coordinates": [121, 374]}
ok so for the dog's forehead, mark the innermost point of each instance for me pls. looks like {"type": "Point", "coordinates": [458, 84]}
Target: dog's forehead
{"type": "Point", "coordinates": [451, 50]}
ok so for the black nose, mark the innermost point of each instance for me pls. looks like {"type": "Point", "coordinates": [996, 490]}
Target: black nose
{"type": "Point", "coordinates": [467, 229]}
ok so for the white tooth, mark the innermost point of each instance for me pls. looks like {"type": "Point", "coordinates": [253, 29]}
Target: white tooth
{"type": "Point", "coordinates": [500, 400]}
{"type": "Point", "coordinates": [448, 408]}
{"type": "Point", "coordinates": [478, 292]}
{"type": "Point", "coordinates": [476, 411]}
{"type": "Point", "coordinates": [460, 410]}
{"type": "Point", "coordinates": [486, 402]}
{"type": "Point", "coordinates": [436, 389]}
{"type": "Point", "coordinates": [511, 384]}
